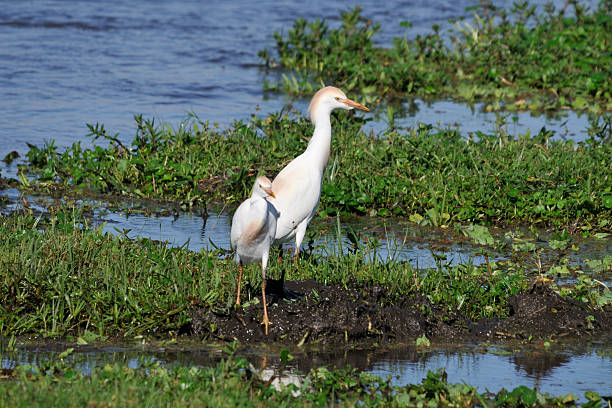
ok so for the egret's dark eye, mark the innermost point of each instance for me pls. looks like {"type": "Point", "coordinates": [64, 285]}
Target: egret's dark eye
{"type": "Point", "coordinates": [338, 98]}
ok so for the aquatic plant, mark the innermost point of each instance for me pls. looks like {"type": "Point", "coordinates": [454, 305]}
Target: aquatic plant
{"type": "Point", "coordinates": [234, 382]}
{"type": "Point", "coordinates": [552, 60]}
{"type": "Point", "coordinates": [436, 175]}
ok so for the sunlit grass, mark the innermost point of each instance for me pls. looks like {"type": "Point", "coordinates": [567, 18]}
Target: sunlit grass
{"type": "Point", "coordinates": [429, 174]}
{"type": "Point", "coordinates": [59, 277]}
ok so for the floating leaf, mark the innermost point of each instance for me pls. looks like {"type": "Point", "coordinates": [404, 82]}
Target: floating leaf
{"type": "Point", "coordinates": [285, 356]}
{"type": "Point", "coordinates": [556, 244]}
{"type": "Point", "coordinates": [579, 102]}
{"type": "Point", "coordinates": [423, 341]}
{"type": "Point", "coordinates": [479, 234]}
{"type": "Point", "coordinates": [524, 246]}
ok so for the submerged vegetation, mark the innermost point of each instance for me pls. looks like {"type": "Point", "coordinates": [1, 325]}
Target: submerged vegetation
{"type": "Point", "coordinates": [426, 173]}
{"type": "Point", "coordinates": [234, 382]}
{"type": "Point", "coordinates": [556, 60]}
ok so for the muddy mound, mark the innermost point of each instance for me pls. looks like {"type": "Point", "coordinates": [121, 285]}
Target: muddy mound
{"type": "Point", "coordinates": [325, 314]}
{"type": "Point", "coordinates": [338, 315]}
{"type": "Point", "coordinates": [541, 312]}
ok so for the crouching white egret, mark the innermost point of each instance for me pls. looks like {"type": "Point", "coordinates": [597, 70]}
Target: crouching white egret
{"type": "Point", "coordinates": [253, 231]}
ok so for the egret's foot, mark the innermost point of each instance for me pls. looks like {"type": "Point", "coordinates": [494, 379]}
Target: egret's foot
{"type": "Point", "coordinates": [276, 289]}
{"type": "Point", "coordinates": [266, 323]}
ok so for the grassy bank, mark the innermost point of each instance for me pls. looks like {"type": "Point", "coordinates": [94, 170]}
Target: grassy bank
{"type": "Point", "coordinates": [517, 59]}
{"type": "Point", "coordinates": [59, 278]}
{"type": "Point", "coordinates": [233, 382]}
{"type": "Point", "coordinates": [423, 172]}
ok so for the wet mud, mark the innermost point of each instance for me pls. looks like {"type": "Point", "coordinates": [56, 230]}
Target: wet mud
{"type": "Point", "coordinates": [6, 183]}
{"type": "Point", "coordinates": [363, 315]}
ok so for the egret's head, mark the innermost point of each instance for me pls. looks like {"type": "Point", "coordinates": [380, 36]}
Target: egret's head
{"type": "Point", "coordinates": [329, 98]}
{"type": "Point", "coordinates": [262, 187]}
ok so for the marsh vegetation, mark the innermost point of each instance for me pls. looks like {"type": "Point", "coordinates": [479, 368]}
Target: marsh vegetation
{"type": "Point", "coordinates": [62, 277]}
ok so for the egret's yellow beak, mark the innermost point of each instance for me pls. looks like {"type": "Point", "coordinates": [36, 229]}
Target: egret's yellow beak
{"type": "Point", "coordinates": [268, 190]}
{"type": "Point", "coordinates": [354, 104]}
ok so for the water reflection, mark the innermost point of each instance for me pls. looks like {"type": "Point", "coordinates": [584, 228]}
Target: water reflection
{"type": "Point", "coordinates": [559, 369]}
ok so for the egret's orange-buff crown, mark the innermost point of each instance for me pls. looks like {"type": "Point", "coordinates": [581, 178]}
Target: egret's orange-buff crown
{"type": "Point", "coordinates": [329, 98]}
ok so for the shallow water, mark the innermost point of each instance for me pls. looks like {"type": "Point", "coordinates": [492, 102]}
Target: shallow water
{"type": "Point", "coordinates": [471, 119]}
{"type": "Point", "coordinates": [558, 370]}
{"type": "Point", "coordinates": [382, 239]}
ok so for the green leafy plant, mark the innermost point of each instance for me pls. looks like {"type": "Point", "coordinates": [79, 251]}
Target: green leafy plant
{"type": "Point", "coordinates": [435, 173]}
{"type": "Point", "coordinates": [527, 60]}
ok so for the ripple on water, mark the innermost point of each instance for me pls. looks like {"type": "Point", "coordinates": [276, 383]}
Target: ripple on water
{"type": "Point", "coordinates": [81, 62]}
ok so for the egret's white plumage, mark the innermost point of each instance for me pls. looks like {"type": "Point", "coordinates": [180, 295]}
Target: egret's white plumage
{"type": "Point", "coordinates": [253, 231]}
{"type": "Point", "coordinates": [298, 186]}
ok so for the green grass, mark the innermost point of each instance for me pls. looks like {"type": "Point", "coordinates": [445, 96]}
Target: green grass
{"type": "Point", "coordinates": [232, 383]}
{"type": "Point", "coordinates": [59, 278]}
{"type": "Point", "coordinates": [69, 280]}
{"type": "Point", "coordinates": [424, 172]}
{"type": "Point", "coordinates": [516, 59]}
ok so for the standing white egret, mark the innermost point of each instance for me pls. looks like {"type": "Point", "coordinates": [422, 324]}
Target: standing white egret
{"type": "Point", "coordinates": [253, 231]}
{"type": "Point", "coordinates": [298, 186]}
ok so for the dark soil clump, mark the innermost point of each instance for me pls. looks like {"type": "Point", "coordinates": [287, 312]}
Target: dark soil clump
{"type": "Point", "coordinates": [8, 183]}
{"type": "Point", "coordinates": [361, 315]}
{"type": "Point", "coordinates": [541, 312]}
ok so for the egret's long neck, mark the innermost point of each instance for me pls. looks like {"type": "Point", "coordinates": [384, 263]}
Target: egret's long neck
{"type": "Point", "coordinates": [320, 143]}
